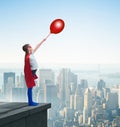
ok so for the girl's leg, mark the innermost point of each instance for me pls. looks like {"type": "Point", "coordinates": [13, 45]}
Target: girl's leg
{"type": "Point", "coordinates": [30, 100]}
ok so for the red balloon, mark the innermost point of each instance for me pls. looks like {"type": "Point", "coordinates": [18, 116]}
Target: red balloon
{"type": "Point", "coordinates": [57, 26]}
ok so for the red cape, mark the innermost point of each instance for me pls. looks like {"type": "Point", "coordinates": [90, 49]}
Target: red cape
{"type": "Point", "coordinates": [28, 73]}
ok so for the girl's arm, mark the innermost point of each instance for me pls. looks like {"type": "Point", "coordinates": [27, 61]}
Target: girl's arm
{"type": "Point", "coordinates": [38, 45]}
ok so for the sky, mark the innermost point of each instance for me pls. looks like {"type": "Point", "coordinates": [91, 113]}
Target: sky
{"type": "Point", "coordinates": [91, 34]}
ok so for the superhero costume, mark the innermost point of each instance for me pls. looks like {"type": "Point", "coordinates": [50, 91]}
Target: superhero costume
{"type": "Point", "coordinates": [29, 78]}
{"type": "Point", "coordinates": [28, 73]}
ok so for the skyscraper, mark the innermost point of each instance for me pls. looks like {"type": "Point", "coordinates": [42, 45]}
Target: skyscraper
{"type": "Point", "coordinates": [20, 81]}
{"type": "Point", "coordinates": [50, 96]}
{"type": "Point", "coordinates": [9, 82]}
{"type": "Point", "coordinates": [19, 94]}
{"type": "Point", "coordinates": [84, 84]}
{"type": "Point", "coordinates": [50, 93]}
{"type": "Point", "coordinates": [101, 85]}
{"type": "Point", "coordinates": [65, 78]}
{"type": "Point", "coordinates": [85, 115]}
{"type": "Point", "coordinates": [112, 101]}
{"type": "Point", "coordinates": [78, 99]}
{"type": "Point", "coordinates": [88, 101]}
{"type": "Point", "coordinates": [46, 75]}
{"type": "Point", "coordinates": [72, 102]}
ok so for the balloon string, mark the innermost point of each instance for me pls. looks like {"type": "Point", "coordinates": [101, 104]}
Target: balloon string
{"type": "Point", "coordinates": [47, 36]}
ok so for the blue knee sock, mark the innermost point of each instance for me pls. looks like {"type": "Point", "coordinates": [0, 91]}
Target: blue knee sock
{"type": "Point", "coordinates": [30, 101]}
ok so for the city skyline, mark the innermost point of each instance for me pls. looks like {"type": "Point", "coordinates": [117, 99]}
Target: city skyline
{"type": "Point", "coordinates": [92, 73]}
{"type": "Point", "coordinates": [91, 33]}
{"type": "Point", "coordinates": [74, 104]}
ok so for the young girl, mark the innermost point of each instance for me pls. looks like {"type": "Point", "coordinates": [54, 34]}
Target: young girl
{"type": "Point", "coordinates": [30, 69]}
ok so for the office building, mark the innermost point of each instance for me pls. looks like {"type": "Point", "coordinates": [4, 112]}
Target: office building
{"type": "Point", "coordinates": [46, 75]}
{"type": "Point", "coordinates": [112, 101]}
{"type": "Point", "coordinates": [65, 78]}
{"type": "Point", "coordinates": [9, 83]}
{"type": "Point", "coordinates": [88, 101]}
{"type": "Point", "coordinates": [79, 99]}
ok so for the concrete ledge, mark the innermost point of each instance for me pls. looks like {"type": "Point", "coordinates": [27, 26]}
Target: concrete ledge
{"type": "Point", "coordinates": [22, 115]}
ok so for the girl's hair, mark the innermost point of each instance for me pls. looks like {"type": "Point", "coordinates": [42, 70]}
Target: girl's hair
{"type": "Point", "coordinates": [25, 48]}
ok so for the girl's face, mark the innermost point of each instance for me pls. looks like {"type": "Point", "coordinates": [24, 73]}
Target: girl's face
{"type": "Point", "coordinates": [30, 49]}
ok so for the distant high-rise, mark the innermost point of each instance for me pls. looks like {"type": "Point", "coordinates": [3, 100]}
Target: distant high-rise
{"type": "Point", "coordinates": [88, 101]}
{"type": "Point", "coordinates": [9, 82]}
{"type": "Point", "coordinates": [106, 91]}
{"type": "Point", "coordinates": [50, 93]}
{"type": "Point", "coordinates": [112, 101]}
{"type": "Point", "coordinates": [119, 98]}
{"type": "Point", "coordinates": [69, 114]}
{"type": "Point", "coordinates": [72, 102]}
{"type": "Point", "coordinates": [84, 84]}
{"type": "Point", "coordinates": [46, 75]}
{"type": "Point", "coordinates": [78, 99]}
{"type": "Point", "coordinates": [78, 102]}
{"type": "Point", "coordinates": [65, 78]}
{"type": "Point", "coordinates": [20, 81]}
{"type": "Point", "coordinates": [85, 115]}
{"type": "Point", "coordinates": [50, 96]}
{"type": "Point", "coordinates": [101, 85]}
{"type": "Point", "coordinates": [19, 94]}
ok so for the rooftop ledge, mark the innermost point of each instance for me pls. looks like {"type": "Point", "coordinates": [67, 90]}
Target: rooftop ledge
{"type": "Point", "coordinates": [16, 114]}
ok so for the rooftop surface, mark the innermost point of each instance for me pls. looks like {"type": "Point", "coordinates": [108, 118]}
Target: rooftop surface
{"type": "Point", "coordinates": [16, 111]}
